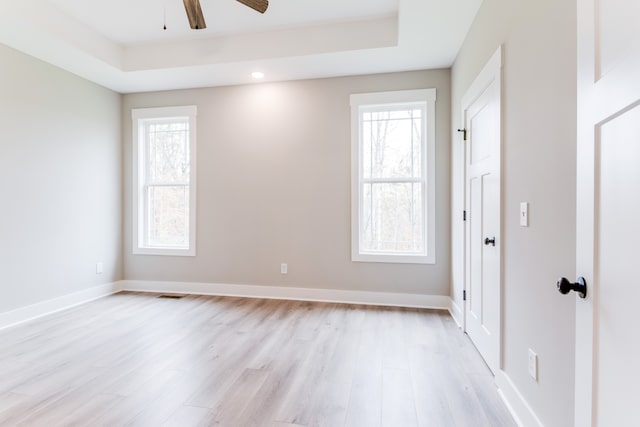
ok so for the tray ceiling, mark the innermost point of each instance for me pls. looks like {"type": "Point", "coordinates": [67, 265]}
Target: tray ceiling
{"type": "Point", "coordinates": [121, 44]}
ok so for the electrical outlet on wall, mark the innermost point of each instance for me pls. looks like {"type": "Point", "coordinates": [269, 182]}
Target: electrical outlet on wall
{"type": "Point", "coordinates": [99, 268]}
{"type": "Point", "coordinates": [533, 365]}
{"type": "Point", "coordinates": [283, 268]}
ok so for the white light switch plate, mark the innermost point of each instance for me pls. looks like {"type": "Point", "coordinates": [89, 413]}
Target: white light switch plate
{"type": "Point", "coordinates": [524, 214]}
{"type": "Point", "coordinates": [533, 365]}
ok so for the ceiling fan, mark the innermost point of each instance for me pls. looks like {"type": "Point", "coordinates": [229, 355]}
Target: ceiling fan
{"type": "Point", "coordinates": [196, 19]}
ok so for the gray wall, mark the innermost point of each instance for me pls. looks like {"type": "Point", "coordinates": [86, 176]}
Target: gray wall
{"type": "Point", "coordinates": [273, 171]}
{"type": "Point", "coordinates": [60, 182]}
{"type": "Point", "coordinates": [539, 120]}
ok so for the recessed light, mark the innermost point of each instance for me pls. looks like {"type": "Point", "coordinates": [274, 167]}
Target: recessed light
{"type": "Point", "coordinates": [257, 74]}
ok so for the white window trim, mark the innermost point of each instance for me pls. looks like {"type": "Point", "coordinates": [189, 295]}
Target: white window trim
{"type": "Point", "coordinates": [137, 115]}
{"type": "Point", "coordinates": [427, 96]}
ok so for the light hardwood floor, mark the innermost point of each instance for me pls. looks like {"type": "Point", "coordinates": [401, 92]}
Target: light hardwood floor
{"type": "Point", "coordinates": [136, 359]}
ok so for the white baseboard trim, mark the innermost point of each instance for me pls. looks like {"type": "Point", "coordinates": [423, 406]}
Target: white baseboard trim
{"type": "Point", "coordinates": [456, 313]}
{"type": "Point", "coordinates": [439, 302]}
{"type": "Point", "coordinates": [516, 403]}
{"type": "Point", "coordinates": [34, 311]}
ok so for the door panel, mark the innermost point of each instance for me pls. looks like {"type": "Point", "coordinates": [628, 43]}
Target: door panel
{"type": "Point", "coordinates": [618, 200]}
{"type": "Point", "coordinates": [481, 143]}
{"type": "Point", "coordinates": [475, 257]}
{"type": "Point", "coordinates": [616, 25]}
{"type": "Point", "coordinates": [491, 255]}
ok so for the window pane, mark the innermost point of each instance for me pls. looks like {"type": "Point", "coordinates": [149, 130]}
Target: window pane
{"type": "Point", "coordinates": [168, 217]}
{"type": "Point", "coordinates": [367, 145]}
{"type": "Point", "coordinates": [392, 218]}
{"type": "Point", "coordinates": [168, 152]}
{"type": "Point", "coordinates": [392, 144]}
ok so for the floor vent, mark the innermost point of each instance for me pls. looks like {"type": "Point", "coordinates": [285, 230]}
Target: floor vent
{"type": "Point", "coordinates": [171, 296]}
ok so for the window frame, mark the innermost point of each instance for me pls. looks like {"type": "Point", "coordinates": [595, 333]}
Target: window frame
{"type": "Point", "coordinates": [140, 116]}
{"type": "Point", "coordinates": [366, 102]}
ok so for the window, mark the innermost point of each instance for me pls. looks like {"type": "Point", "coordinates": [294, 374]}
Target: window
{"type": "Point", "coordinates": [164, 185]}
{"type": "Point", "coordinates": [393, 191]}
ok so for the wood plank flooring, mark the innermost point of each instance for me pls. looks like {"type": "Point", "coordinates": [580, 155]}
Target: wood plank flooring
{"type": "Point", "coordinates": [138, 360]}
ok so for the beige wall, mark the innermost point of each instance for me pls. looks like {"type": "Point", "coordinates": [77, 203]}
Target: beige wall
{"type": "Point", "coordinates": [539, 92]}
{"type": "Point", "coordinates": [60, 181]}
{"type": "Point", "coordinates": [273, 171]}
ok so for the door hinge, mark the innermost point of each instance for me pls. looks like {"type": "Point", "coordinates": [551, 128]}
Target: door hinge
{"type": "Point", "coordinates": [464, 215]}
{"type": "Point", "coordinates": [464, 295]}
{"type": "Point", "coordinates": [464, 133]}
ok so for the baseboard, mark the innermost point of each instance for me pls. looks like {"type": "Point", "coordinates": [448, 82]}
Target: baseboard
{"type": "Point", "coordinates": [30, 312]}
{"type": "Point", "coordinates": [456, 313]}
{"type": "Point", "coordinates": [516, 403]}
{"type": "Point", "coordinates": [439, 302]}
{"type": "Point", "coordinates": [34, 311]}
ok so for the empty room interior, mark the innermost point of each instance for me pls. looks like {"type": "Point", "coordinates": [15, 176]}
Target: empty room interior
{"type": "Point", "coordinates": [292, 213]}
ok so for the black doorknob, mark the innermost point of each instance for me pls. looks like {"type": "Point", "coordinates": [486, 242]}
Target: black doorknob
{"type": "Point", "coordinates": [565, 286]}
{"type": "Point", "coordinates": [490, 241]}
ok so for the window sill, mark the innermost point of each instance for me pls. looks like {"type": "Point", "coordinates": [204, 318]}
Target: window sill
{"type": "Point", "coordinates": [164, 252]}
{"type": "Point", "coordinates": [394, 259]}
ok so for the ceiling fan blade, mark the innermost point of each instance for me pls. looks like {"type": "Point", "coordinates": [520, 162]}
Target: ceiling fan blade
{"type": "Point", "coordinates": [194, 13]}
{"type": "Point", "coordinates": [257, 5]}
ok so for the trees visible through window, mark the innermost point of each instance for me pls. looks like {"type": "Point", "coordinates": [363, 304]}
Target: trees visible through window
{"type": "Point", "coordinates": [165, 180]}
{"type": "Point", "coordinates": [392, 177]}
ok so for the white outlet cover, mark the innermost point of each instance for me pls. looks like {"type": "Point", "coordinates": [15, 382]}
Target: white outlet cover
{"type": "Point", "coordinates": [99, 268]}
{"type": "Point", "coordinates": [283, 268]}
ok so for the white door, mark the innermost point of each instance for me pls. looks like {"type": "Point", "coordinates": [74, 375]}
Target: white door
{"type": "Point", "coordinates": [481, 109]}
{"type": "Point", "coordinates": [608, 213]}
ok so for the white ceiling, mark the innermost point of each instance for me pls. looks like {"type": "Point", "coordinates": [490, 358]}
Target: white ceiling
{"type": "Point", "coordinates": [141, 21]}
{"type": "Point", "coordinates": [121, 44]}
